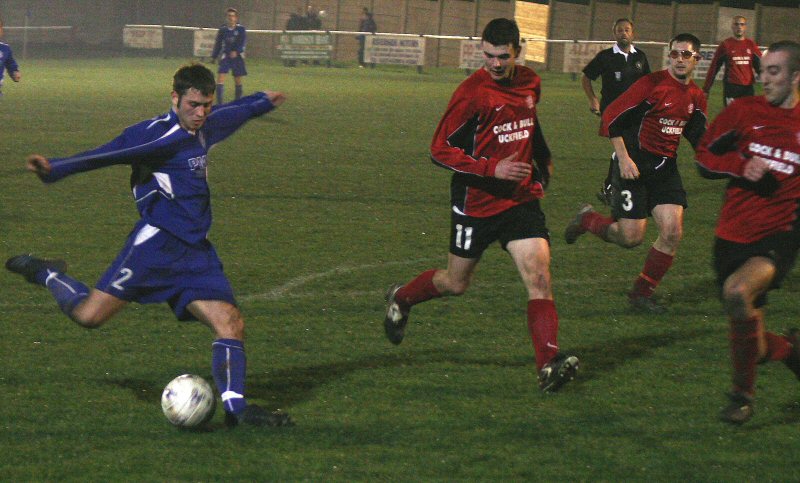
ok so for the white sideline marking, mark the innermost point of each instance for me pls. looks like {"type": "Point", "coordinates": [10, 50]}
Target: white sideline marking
{"type": "Point", "coordinates": [283, 291]}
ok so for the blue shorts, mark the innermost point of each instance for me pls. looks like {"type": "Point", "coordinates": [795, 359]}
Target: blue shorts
{"type": "Point", "coordinates": [236, 64]}
{"type": "Point", "coordinates": [155, 266]}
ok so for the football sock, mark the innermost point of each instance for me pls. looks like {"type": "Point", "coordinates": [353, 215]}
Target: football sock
{"type": "Point", "coordinates": [418, 290]}
{"type": "Point", "coordinates": [67, 291]}
{"type": "Point", "coordinates": [543, 328]}
{"type": "Point", "coordinates": [228, 365]}
{"type": "Point", "coordinates": [238, 92]}
{"type": "Point", "coordinates": [778, 347]}
{"type": "Point", "coordinates": [596, 223]}
{"type": "Point", "coordinates": [220, 93]}
{"type": "Point", "coordinates": [655, 267]}
{"type": "Point", "coordinates": [744, 353]}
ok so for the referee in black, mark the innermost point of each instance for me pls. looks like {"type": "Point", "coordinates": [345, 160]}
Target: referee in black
{"type": "Point", "coordinates": [618, 67]}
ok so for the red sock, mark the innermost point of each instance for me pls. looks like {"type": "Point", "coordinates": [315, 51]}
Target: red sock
{"type": "Point", "coordinates": [655, 267]}
{"type": "Point", "coordinates": [778, 347]}
{"type": "Point", "coordinates": [596, 223]}
{"type": "Point", "coordinates": [744, 353]}
{"type": "Point", "coordinates": [543, 327]}
{"type": "Point", "coordinates": [418, 290]}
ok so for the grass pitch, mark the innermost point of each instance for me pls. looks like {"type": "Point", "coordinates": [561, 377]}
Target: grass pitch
{"type": "Point", "coordinates": [318, 207]}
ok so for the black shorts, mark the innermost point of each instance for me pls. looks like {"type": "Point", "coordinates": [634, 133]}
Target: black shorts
{"type": "Point", "coordinates": [659, 183]}
{"type": "Point", "coordinates": [734, 91]}
{"type": "Point", "coordinates": [470, 236]}
{"type": "Point", "coordinates": [781, 248]}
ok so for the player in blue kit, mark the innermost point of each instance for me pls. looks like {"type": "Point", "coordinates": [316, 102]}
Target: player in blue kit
{"type": "Point", "coordinates": [7, 62]}
{"type": "Point", "coordinates": [229, 49]}
{"type": "Point", "coordinates": [167, 257]}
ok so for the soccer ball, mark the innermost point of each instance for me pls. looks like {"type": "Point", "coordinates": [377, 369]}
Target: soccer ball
{"type": "Point", "coordinates": [188, 401]}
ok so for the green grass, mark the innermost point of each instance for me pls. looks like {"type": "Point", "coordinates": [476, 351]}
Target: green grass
{"type": "Point", "coordinates": [318, 207]}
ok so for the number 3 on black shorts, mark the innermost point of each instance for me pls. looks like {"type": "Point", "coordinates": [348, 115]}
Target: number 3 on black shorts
{"type": "Point", "coordinates": [627, 200]}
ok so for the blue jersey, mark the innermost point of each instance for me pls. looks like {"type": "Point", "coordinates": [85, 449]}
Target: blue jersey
{"type": "Point", "coordinates": [169, 164]}
{"type": "Point", "coordinates": [7, 61]}
{"type": "Point", "coordinates": [228, 40]}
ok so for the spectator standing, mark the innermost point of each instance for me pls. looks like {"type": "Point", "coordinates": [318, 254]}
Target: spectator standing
{"type": "Point", "coordinates": [365, 24]}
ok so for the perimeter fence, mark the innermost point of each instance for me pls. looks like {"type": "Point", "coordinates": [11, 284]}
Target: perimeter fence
{"type": "Point", "coordinates": [326, 47]}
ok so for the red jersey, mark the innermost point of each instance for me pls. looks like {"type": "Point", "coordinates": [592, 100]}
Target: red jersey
{"type": "Point", "coordinates": [740, 58]}
{"type": "Point", "coordinates": [750, 126]}
{"type": "Point", "coordinates": [653, 113]}
{"type": "Point", "coordinates": [485, 122]}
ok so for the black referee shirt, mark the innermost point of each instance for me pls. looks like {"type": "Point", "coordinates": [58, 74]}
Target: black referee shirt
{"type": "Point", "coordinates": [617, 73]}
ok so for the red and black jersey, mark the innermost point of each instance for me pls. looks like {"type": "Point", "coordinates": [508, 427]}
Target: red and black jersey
{"type": "Point", "coordinates": [487, 121]}
{"type": "Point", "coordinates": [654, 112]}
{"type": "Point", "coordinates": [748, 127]}
{"type": "Point", "coordinates": [740, 58]}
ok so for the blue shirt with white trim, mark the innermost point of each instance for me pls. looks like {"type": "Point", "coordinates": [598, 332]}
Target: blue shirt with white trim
{"type": "Point", "coordinates": [228, 40]}
{"type": "Point", "coordinates": [169, 164]}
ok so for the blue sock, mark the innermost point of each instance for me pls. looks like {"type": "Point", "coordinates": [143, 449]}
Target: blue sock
{"type": "Point", "coordinates": [67, 291]}
{"type": "Point", "coordinates": [239, 91]}
{"type": "Point", "coordinates": [228, 365]}
{"type": "Point", "coordinates": [220, 93]}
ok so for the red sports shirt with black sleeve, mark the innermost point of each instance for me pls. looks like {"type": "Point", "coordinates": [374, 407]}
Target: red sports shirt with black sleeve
{"type": "Point", "coordinates": [749, 127]}
{"type": "Point", "coordinates": [487, 121]}
{"type": "Point", "coordinates": [739, 57]}
{"type": "Point", "coordinates": [654, 112]}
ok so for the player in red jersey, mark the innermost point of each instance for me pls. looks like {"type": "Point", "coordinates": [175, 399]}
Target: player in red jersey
{"type": "Point", "coordinates": [755, 142]}
{"type": "Point", "coordinates": [741, 57]}
{"type": "Point", "coordinates": [491, 139]}
{"type": "Point", "coordinates": [645, 125]}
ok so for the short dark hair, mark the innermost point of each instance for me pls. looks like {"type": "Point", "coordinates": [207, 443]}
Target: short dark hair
{"type": "Point", "coordinates": [622, 20]}
{"type": "Point", "coordinates": [792, 48]}
{"type": "Point", "coordinates": [193, 76]}
{"type": "Point", "coordinates": [686, 38]}
{"type": "Point", "coordinates": [502, 31]}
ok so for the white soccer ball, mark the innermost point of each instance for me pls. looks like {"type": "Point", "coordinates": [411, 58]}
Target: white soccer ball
{"type": "Point", "coordinates": [188, 401]}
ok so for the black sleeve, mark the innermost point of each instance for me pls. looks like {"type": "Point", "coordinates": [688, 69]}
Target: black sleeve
{"type": "Point", "coordinates": [695, 128]}
{"type": "Point", "coordinates": [595, 67]}
{"type": "Point", "coordinates": [541, 155]}
{"type": "Point", "coordinates": [716, 66]}
{"type": "Point", "coordinates": [756, 63]}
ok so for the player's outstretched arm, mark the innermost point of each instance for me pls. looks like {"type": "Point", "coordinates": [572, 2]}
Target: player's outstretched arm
{"type": "Point", "coordinates": [36, 163]}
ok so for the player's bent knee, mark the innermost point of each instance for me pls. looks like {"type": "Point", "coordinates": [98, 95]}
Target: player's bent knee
{"type": "Point", "coordinates": [455, 287]}
{"type": "Point", "coordinates": [89, 320]}
{"type": "Point", "coordinates": [233, 325]}
{"type": "Point", "coordinates": [735, 297]}
{"type": "Point", "coordinates": [630, 241]}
